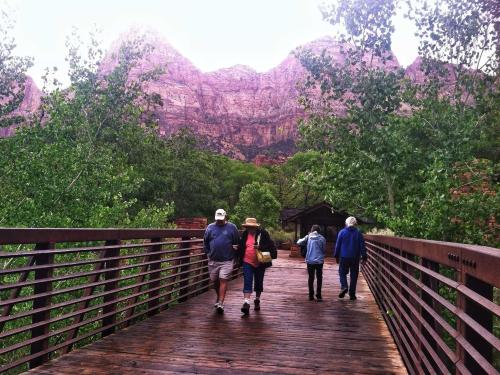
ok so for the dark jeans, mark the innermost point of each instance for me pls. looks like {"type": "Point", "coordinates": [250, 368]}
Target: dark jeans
{"type": "Point", "coordinates": [253, 275]}
{"type": "Point", "coordinates": [349, 265]}
{"type": "Point", "coordinates": [318, 268]}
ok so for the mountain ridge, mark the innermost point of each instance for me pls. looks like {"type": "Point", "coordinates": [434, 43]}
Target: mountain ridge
{"type": "Point", "coordinates": [243, 114]}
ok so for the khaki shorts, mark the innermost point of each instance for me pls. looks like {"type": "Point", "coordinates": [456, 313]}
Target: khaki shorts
{"type": "Point", "coordinates": [220, 270]}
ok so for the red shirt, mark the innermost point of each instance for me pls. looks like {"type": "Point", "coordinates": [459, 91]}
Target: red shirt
{"type": "Point", "coordinates": [250, 255]}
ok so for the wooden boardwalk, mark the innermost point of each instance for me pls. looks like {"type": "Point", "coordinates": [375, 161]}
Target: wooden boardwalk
{"type": "Point", "coordinates": [290, 335]}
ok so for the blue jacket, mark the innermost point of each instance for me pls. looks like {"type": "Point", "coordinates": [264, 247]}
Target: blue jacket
{"type": "Point", "coordinates": [316, 248]}
{"type": "Point", "coordinates": [218, 241]}
{"type": "Point", "coordinates": [350, 244]}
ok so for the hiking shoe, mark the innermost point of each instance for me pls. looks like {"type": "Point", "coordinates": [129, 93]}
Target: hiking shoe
{"type": "Point", "coordinates": [352, 298]}
{"type": "Point", "coordinates": [311, 297]}
{"type": "Point", "coordinates": [245, 309]}
{"type": "Point", "coordinates": [216, 304]}
{"type": "Point", "coordinates": [319, 298]}
{"type": "Point", "coordinates": [220, 309]}
{"type": "Point", "coordinates": [342, 293]}
{"type": "Point", "coordinates": [256, 304]}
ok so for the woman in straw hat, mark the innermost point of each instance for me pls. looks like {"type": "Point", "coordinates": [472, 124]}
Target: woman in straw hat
{"type": "Point", "coordinates": [253, 239]}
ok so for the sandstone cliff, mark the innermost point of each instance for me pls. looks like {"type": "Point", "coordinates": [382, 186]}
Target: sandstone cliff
{"type": "Point", "coordinates": [31, 102]}
{"type": "Point", "coordinates": [242, 113]}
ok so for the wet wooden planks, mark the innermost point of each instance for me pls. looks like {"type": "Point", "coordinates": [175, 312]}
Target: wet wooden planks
{"type": "Point", "coordinates": [290, 335]}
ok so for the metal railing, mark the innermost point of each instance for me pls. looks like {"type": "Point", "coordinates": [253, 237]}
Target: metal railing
{"type": "Point", "coordinates": [64, 288]}
{"type": "Point", "coordinates": [440, 301]}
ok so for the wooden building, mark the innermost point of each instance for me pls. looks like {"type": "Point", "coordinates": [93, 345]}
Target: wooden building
{"type": "Point", "coordinates": [330, 219]}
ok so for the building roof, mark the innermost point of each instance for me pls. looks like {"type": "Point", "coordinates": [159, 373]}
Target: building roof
{"type": "Point", "coordinates": [292, 214]}
{"type": "Point", "coordinates": [286, 213]}
{"type": "Point", "coordinates": [313, 208]}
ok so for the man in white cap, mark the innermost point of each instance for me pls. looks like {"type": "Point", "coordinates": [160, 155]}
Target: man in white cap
{"type": "Point", "coordinates": [218, 242]}
{"type": "Point", "coordinates": [349, 249]}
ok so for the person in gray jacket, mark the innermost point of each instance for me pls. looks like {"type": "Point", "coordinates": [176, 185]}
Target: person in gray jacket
{"type": "Point", "coordinates": [315, 257]}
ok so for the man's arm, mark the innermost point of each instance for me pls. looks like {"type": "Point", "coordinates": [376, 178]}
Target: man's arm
{"type": "Point", "coordinates": [236, 235]}
{"type": "Point", "coordinates": [206, 241]}
{"type": "Point", "coordinates": [338, 244]}
{"type": "Point", "coordinates": [299, 242]}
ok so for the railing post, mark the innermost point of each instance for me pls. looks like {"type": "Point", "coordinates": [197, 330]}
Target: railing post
{"type": "Point", "coordinates": [432, 284]}
{"type": "Point", "coordinates": [461, 326]}
{"type": "Point", "coordinates": [153, 277]}
{"type": "Point", "coordinates": [206, 283]}
{"type": "Point", "coordinates": [109, 275]}
{"type": "Point", "coordinates": [196, 282]}
{"type": "Point", "coordinates": [396, 264]}
{"type": "Point", "coordinates": [41, 302]}
{"type": "Point", "coordinates": [184, 266]}
{"type": "Point", "coordinates": [482, 316]}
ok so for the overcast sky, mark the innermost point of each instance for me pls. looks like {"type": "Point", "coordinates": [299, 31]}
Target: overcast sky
{"type": "Point", "coordinates": [212, 34]}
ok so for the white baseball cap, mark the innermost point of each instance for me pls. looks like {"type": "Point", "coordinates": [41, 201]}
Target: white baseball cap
{"type": "Point", "coordinates": [220, 214]}
{"type": "Point", "coordinates": [351, 221]}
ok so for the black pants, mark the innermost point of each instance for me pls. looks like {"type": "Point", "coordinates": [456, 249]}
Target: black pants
{"type": "Point", "coordinates": [318, 268]}
{"type": "Point", "coordinates": [349, 265]}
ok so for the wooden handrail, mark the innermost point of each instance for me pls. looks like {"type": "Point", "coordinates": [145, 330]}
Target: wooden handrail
{"type": "Point", "coordinates": [68, 286]}
{"type": "Point", "coordinates": [438, 301]}
{"type": "Point", "coordinates": [58, 235]}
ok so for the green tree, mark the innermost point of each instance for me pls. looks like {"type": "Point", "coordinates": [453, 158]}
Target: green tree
{"type": "Point", "coordinates": [460, 49]}
{"type": "Point", "coordinates": [363, 170]}
{"type": "Point", "coordinates": [395, 138]}
{"type": "Point", "coordinates": [191, 176]}
{"type": "Point", "coordinates": [295, 184]}
{"type": "Point", "coordinates": [198, 181]}
{"type": "Point", "coordinates": [257, 200]}
{"type": "Point", "coordinates": [70, 167]}
{"type": "Point", "coordinates": [231, 175]}
{"type": "Point", "coordinates": [54, 185]}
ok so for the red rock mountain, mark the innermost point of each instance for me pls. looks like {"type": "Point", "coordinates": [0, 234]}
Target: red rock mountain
{"type": "Point", "coordinates": [31, 102]}
{"type": "Point", "coordinates": [243, 113]}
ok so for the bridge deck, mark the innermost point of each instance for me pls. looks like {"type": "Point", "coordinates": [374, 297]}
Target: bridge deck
{"type": "Point", "coordinates": [290, 335]}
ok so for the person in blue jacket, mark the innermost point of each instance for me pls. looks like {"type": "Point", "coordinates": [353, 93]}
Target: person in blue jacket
{"type": "Point", "coordinates": [349, 248]}
{"type": "Point", "coordinates": [315, 257]}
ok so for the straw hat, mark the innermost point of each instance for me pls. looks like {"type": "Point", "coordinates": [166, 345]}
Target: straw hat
{"type": "Point", "coordinates": [250, 222]}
